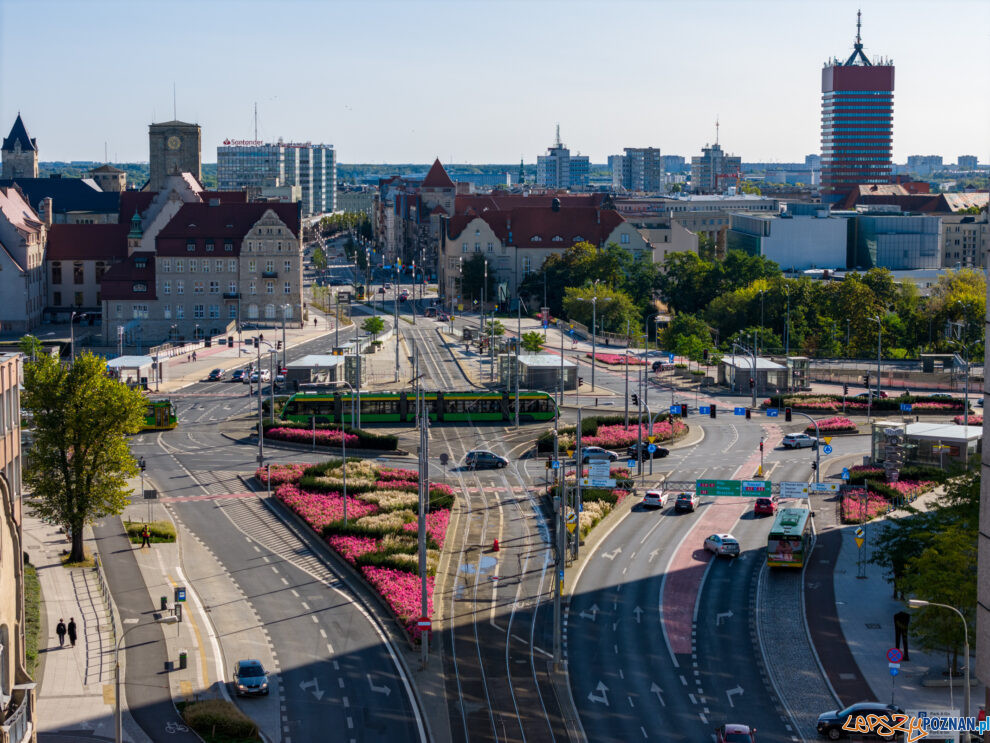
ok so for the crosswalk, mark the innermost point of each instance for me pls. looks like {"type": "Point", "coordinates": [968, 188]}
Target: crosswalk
{"type": "Point", "coordinates": [219, 481]}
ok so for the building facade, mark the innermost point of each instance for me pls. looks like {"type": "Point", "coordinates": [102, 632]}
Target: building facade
{"type": "Point", "coordinates": [254, 165]}
{"type": "Point", "coordinates": [249, 164]}
{"type": "Point", "coordinates": [19, 153]}
{"type": "Point", "coordinates": [559, 169]}
{"type": "Point", "coordinates": [965, 240]}
{"type": "Point", "coordinates": [714, 172]}
{"type": "Point", "coordinates": [109, 178]}
{"type": "Point", "coordinates": [77, 258]}
{"type": "Point", "coordinates": [23, 235]}
{"type": "Point", "coordinates": [805, 237]}
{"type": "Point", "coordinates": [173, 147]}
{"type": "Point", "coordinates": [639, 169]}
{"type": "Point", "coordinates": [967, 162]}
{"type": "Point", "coordinates": [357, 200]}
{"type": "Point", "coordinates": [857, 121]}
{"type": "Point", "coordinates": [896, 241]}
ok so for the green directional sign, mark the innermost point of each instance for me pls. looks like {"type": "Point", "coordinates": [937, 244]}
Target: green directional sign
{"type": "Point", "coordinates": [734, 488]}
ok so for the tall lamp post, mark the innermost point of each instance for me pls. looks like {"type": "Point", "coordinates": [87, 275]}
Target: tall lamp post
{"type": "Point", "coordinates": [72, 334]}
{"type": "Point", "coordinates": [117, 726]}
{"type": "Point", "coordinates": [879, 321]}
{"type": "Point", "coordinates": [921, 603]}
{"type": "Point", "coordinates": [594, 321]}
{"type": "Point", "coordinates": [285, 349]}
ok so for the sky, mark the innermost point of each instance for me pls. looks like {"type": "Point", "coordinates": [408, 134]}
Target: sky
{"type": "Point", "coordinates": [484, 81]}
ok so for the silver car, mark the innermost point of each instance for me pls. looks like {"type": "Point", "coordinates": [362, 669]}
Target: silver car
{"type": "Point", "coordinates": [799, 441]}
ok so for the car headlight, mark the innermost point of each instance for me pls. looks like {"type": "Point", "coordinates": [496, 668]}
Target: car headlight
{"type": "Point", "coordinates": [242, 687]}
{"type": "Point", "coordinates": [264, 684]}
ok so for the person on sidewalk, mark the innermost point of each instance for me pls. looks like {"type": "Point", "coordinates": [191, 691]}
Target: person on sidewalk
{"type": "Point", "coordinates": [60, 631]}
{"type": "Point", "coordinates": [145, 537]}
{"type": "Point", "coordinates": [194, 355]}
{"type": "Point", "coordinates": [72, 631]}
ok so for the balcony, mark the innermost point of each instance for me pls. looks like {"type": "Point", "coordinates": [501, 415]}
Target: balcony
{"type": "Point", "coordinates": [269, 274]}
{"type": "Point", "coordinates": [231, 295]}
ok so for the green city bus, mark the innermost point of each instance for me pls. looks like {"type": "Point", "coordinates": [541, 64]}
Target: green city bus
{"type": "Point", "coordinates": [159, 415]}
{"type": "Point", "coordinates": [789, 543]}
{"type": "Point", "coordinates": [400, 407]}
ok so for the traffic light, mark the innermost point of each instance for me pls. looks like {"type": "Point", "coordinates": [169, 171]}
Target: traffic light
{"type": "Point", "coordinates": [752, 383]}
{"type": "Point", "coordinates": [635, 399]}
{"type": "Point", "coordinates": [814, 465]}
{"type": "Point", "coordinates": [761, 446]}
{"type": "Point", "coordinates": [580, 381]}
{"type": "Point", "coordinates": [748, 414]}
{"type": "Point", "coordinates": [704, 355]}
{"type": "Point", "coordinates": [684, 410]}
{"type": "Point", "coordinates": [278, 345]}
{"type": "Point", "coordinates": [787, 414]}
{"type": "Point", "coordinates": [711, 412]}
{"type": "Point", "coordinates": [845, 390]}
{"type": "Point", "coordinates": [866, 380]}
{"type": "Point", "coordinates": [256, 342]}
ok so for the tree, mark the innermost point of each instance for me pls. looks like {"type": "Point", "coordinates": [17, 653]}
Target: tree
{"type": "Point", "coordinates": [374, 326]}
{"type": "Point", "coordinates": [473, 278]}
{"type": "Point", "coordinates": [615, 308]}
{"type": "Point", "coordinates": [532, 341]}
{"type": "Point", "coordinates": [319, 258]}
{"type": "Point", "coordinates": [30, 346]}
{"type": "Point", "coordinates": [682, 329]}
{"type": "Point", "coordinates": [79, 462]}
{"type": "Point", "coordinates": [494, 328]}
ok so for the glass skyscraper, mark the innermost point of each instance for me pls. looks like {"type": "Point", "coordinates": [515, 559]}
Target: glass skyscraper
{"type": "Point", "coordinates": [256, 165]}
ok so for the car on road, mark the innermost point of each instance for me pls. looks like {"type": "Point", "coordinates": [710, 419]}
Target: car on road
{"type": "Point", "coordinates": [830, 723]}
{"type": "Point", "coordinates": [250, 678]}
{"type": "Point", "coordinates": [264, 374]}
{"type": "Point", "coordinates": [941, 395]}
{"type": "Point", "coordinates": [662, 366]}
{"type": "Point", "coordinates": [381, 290]}
{"type": "Point", "coordinates": [872, 394]}
{"type": "Point", "coordinates": [643, 451]}
{"type": "Point", "coordinates": [596, 452]}
{"type": "Point", "coordinates": [482, 458]}
{"type": "Point", "coordinates": [403, 296]}
{"type": "Point", "coordinates": [337, 282]}
{"type": "Point", "coordinates": [386, 285]}
{"type": "Point", "coordinates": [722, 544]}
{"type": "Point", "coordinates": [735, 734]}
{"type": "Point", "coordinates": [799, 441]}
{"type": "Point", "coordinates": [216, 375]}
{"type": "Point", "coordinates": [766, 506]}
{"type": "Point", "coordinates": [655, 498]}
{"type": "Point", "coordinates": [237, 375]}
{"type": "Point", "coordinates": [686, 502]}
{"type": "Point", "coordinates": [979, 403]}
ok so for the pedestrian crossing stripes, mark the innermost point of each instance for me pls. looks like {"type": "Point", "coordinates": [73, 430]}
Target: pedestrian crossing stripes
{"type": "Point", "coordinates": [214, 496]}
{"type": "Point", "coordinates": [501, 490]}
{"type": "Point", "coordinates": [219, 481]}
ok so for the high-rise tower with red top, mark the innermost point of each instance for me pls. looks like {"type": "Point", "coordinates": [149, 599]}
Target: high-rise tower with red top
{"type": "Point", "coordinates": [857, 121]}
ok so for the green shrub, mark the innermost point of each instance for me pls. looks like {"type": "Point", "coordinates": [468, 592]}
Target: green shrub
{"type": "Point", "coordinates": [32, 616]}
{"type": "Point", "coordinates": [161, 531]}
{"type": "Point", "coordinates": [602, 494]}
{"type": "Point", "coordinates": [213, 718]}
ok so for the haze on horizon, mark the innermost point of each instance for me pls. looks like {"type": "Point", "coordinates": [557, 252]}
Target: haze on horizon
{"type": "Point", "coordinates": [485, 81]}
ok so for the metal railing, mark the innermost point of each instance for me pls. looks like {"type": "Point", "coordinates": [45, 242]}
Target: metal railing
{"type": "Point", "coordinates": [111, 607]}
{"type": "Point", "coordinates": [17, 728]}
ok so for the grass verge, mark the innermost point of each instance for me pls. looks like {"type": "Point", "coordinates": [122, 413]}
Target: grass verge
{"type": "Point", "coordinates": [86, 562]}
{"type": "Point", "coordinates": [32, 617]}
{"type": "Point", "coordinates": [219, 721]}
{"type": "Point", "coordinates": [161, 531]}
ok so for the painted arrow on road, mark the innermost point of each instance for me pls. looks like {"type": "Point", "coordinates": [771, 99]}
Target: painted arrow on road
{"type": "Point", "coordinates": [722, 615]}
{"type": "Point", "coordinates": [731, 692]}
{"type": "Point", "coordinates": [654, 553]}
{"type": "Point", "coordinates": [613, 554]}
{"type": "Point", "coordinates": [603, 699]}
{"type": "Point", "coordinates": [639, 614]}
{"type": "Point", "coordinates": [315, 686]}
{"type": "Point", "coordinates": [594, 613]}
{"type": "Point", "coordinates": [378, 689]}
{"type": "Point", "coordinates": [654, 689]}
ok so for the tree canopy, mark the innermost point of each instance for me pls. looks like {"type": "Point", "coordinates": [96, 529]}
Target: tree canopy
{"type": "Point", "coordinates": [373, 325]}
{"type": "Point", "coordinates": [473, 278]}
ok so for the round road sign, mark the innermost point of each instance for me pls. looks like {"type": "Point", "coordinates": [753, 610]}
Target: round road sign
{"type": "Point", "coordinates": [651, 448]}
{"type": "Point", "coordinates": [894, 655]}
{"type": "Point", "coordinates": [827, 449]}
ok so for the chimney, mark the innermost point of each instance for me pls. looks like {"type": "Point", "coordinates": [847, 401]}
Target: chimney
{"type": "Point", "coordinates": [46, 211]}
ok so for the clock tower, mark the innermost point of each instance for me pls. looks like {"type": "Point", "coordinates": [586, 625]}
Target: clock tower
{"type": "Point", "coordinates": [174, 147]}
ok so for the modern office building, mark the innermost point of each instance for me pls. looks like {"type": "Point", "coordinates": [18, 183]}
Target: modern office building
{"type": "Point", "coordinates": [804, 237]}
{"type": "Point", "coordinates": [245, 163]}
{"type": "Point", "coordinates": [924, 165]}
{"type": "Point", "coordinates": [714, 172]}
{"type": "Point", "coordinates": [857, 121]}
{"type": "Point", "coordinates": [673, 164]}
{"type": "Point", "coordinates": [559, 169]}
{"type": "Point", "coordinates": [639, 169]}
{"type": "Point", "coordinates": [967, 162]}
{"type": "Point", "coordinates": [896, 241]}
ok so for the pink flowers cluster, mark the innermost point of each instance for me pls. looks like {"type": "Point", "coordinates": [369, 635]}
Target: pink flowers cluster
{"type": "Point", "coordinates": [867, 469]}
{"type": "Point", "coordinates": [619, 436]}
{"type": "Point", "coordinates": [436, 525]}
{"type": "Point", "coordinates": [947, 406]}
{"type": "Point", "coordinates": [974, 420]}
{"type": "Point", "coordinates": [320, 509]}
{"type": "Point", "coordinates": [409, 485]}
{"type": "Point", "coordinates": [281, 473]}
{"type": "Point", "coordinates": [324, 437]}
{"type": "Point", "coordinates": [402, 591]}
{"type": "Point", "coordinates": [440, 488]}
{"type": "Point", "coordinates": [910, 489]}
{"type": "Point", "coordinates": [351, 548]}
{"type": "Point", "coordinates": [858, 507]}
{"type": "Point", "coordinates": [617, 359]}
{"type": "Point", "coordinates": [398, 474]}
{"type": "Point", "coordinates": [620, 495]}
{"type": "Point", "coordinates": [831, 425]}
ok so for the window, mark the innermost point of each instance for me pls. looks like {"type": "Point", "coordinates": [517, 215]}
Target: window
{"type": "Point", "coordinates": [269, 312]}
{"type": "Point", "coordinates": [557, 239]}
{"type": "Point", "coordinates": [269, 266]}
{"type": "Point", "coordinates": [527, 264]}
{"type": "Point", "coordinates": [279, 246]}
{"type": "Point", "coordinates": [288, 266]}
{"type": "Point", "coordinates": [190, 245]}
{"type": "Point", "coordinates": [209, 246]}
{"type": "Point", "coordinates": [214, 311]}
{"type": "Point", "coordinates": [252, 289]}
{"type": "Point", "coordinates": [167, 311]}
{"type": "Point", "coordinates": [219, 266]}
{"type": "Point", "coordinates": [56, 273]}
{"type": "Point", "coordinates": [535, 238]}
{"type": "Point", "coordinates": [119, 311]}
{"type": "Point", "coordinates": [491, 247]}
{"type": "Point", "coordinates": [624, 239]}
{"type": "Point", "coordinates": [214, 287]}
{"type": "Point", "coordinates": [140, 312]}
{"type": "Point", "coordinates": [192, 266]}
{"type": "Point", "coordinates": [78, 299]}
{"type": "Point", "coordinates": [252, 312]}
{"type": "Point", "coordinates": [269, 287]}
{"type": "Point", "coordinates": [198, 312]}
{"type": "Point", "coordinates": [197, 287]}
{"type": "Point", "coordinates": [101, 268]}
{"type": "Point", "coordinates": [288, 287]}
{"type": "Point", "coordinates": [77, 272]}
{"type": "Point", "coordinates": [206, 266]}
{"type": "Point", "coordinates": [57, 296]}
{"type": "Point", "coordinates": [287, 312]}
{"type": "Point", "coordinates": [137, 286]}
{"type": "Point", "coordinates": [233, 287]}
{"type": "Point", "coordinates": [232, 265]}
{"type": "Point", "coordinates": [252, 266]}
{"type": "Point", "coordinates": [464, 247]}
{"type": "Point", "coordinates": [179, 286]}
{"type": "Point", "coordinates": [180, 311]}
{"type": "Point", "coordinates": [228, 246]}
{"type": "Point", "coordinates": [179, 265]}
{"type": "Point", "coordinates": [232, 311]}
{"type": "Point", "coordinates": [166, 286]}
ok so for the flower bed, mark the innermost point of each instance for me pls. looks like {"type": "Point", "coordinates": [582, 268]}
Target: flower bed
{"type": "Point", "coordinates": [619, 435]}
{"type": "Point", "coordinates": [833, 403]}
{"type": "Point", "coordinates": [303, 433]}
{"type": "Point", "coordinates": [858, 506]}
{"type": "Point", "coordinates": [380, 536]}
{"type": "Point", "coordinates": [323, 436]}
{"type": "Point", "coordinates": [837, 424]}
{"type": "Point", "coordinates": [596, 504]}
{"type": "Point", "coordinates": [974, 420]}
{"type": "Point", "coordinates": [617, 359]}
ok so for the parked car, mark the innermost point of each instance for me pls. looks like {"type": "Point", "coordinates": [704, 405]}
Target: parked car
{"type": "Point", "coordinates": [830, 723]}
{"type": "Point", "coordinates": [722, 544]}
{"type": "Point", "coordinates": [250, 678]}
{"type": "Point", "coordinates": [799, 441]}
{"type": "Point", "coordinates": [237, 375]}
{"type": "Point", "coordinates": [656, 498]}
{"type": "Point", "coordinates": [482, 458]}
{"type": "Point", "coordinates": [596, 452]}
{"type": "Point", "coordinates": [216, 375]}
{"type": "Point", "coordinates": [735, 734]}
{"type": "Point", "coordinates": [687, 502]}
{"type": "Point", "coordinates": [941, 395]}
{"type": "Point", "coordinates": [644, 451]}
{"type": "Point", "coordinates": [662, 366]}
{"type": "Point", "coordinates": [766, 506]}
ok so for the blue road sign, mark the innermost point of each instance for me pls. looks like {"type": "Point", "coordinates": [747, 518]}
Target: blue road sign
{"type": "Point", "coordinates": [827, 449]}
{"type": "Point", "coordinates": [555, 464]}
{"type": "Point", "coordinates": [670, 358]}
{"type": "Point", "coordinates": [561, 575]}
{"type": "Point", "coordinates": [739, 411]}
{"type": "Point", "coordinates": [894, 671]}
{"type": "Point", "coordinates": [705, 410]}
{"type": "Point", "coordinates": [894, 655]}
{"type": "Point", "coordinates": [651, 448]}
{"type": "Point", "coordinates": [580, 507]}
{"type": "Point", "coordinates": [773, 413]}
{"type": "Point", "coordinates": [631, 463]}
{"type": "Point", "coordinates": [387, 267]}
{"type": "Point", "coordinates": [675, 409]}
{"type": "Point", "coordinates": [180, 594]}
{"type": "Point", "coordinates": [545, 324]}
{"type": "Point", "coordinates": [905, 407]}
{"type": "Point", "coordinates": [845, 473]}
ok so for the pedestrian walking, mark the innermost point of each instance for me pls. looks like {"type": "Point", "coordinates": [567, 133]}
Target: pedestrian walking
{"type": "Point", "coordinates": [60, 631]}
{"type": "Point", "coordinates": [194, 355]}
{"type": "Point", "coordinates": [145, 537]}
{"type": "Point", "coordinates": [72, 631]}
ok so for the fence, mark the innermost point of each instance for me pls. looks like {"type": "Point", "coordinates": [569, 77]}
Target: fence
{"type": "Point", "coordinates": [101, 580]}
{"type": "Point", "coordinates": [17, 727]}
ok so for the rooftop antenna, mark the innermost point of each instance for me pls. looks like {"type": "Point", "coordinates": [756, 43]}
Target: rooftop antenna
{"type": "Point", "coordinates": [106, 157]}
{"type": "Point", "coordinates": [255, 121]}
{"type": "Point", "coordinates": [716, 129]}
{"type": "Point", "coordinates": [858, 47]}
{"type": "Point", "coordinates": [175, 116]}
{"type": "Point", "coordinates": [558, 144]}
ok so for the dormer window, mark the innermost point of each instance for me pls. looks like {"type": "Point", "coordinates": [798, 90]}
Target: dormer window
{"type": "Point", "coordinates": [139, 286]}
{"type": "Point", "coordinates": [209, 246]}
{"type": "Point", "coordinates": [558, 239]}
{"type": "Point", "coordinates": [140, 262]}
{"type": "Point", "coordinates": [536, 239]}
{"type": "Point", "coordinates": [228, 246]}
{"type": "Point", "coordinates": [578, 239]}
{"type": "Point", "coordinates": [190, 245]}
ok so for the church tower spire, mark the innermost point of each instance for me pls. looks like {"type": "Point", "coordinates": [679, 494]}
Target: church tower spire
{"type": "Point", "coordinates": [19, 152]}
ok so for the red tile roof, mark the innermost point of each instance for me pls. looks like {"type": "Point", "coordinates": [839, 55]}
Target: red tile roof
{"type": "Point", "coordinates": [131, 201]}
{"type": "Point", "coordinates": [437, 177]}
{"type": "Point", "coordinates": [123, 280]}
{"type": "Point", "coordinates": [480, 202]}
{"type": "Point", "coordinates": [87, 242]}
{"type": "Point", "coordinates": [220, 222]}
{"type": "Point", "coordinates": [570, 224]}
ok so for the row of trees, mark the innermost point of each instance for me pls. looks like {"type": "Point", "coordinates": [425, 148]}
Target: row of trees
{"type": "Point", "coordinates": [357, 222]}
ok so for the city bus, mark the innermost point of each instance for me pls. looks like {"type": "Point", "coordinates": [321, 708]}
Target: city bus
{"type": "Point", "coordinates": [789, 542]}
{"type": "Point", "coordinates": [400, 407]}
{"type": "Point", "coordinates": [159, 415]}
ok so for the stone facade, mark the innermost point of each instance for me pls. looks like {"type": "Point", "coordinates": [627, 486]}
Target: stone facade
{"type": "Point", "coordinates": [19, 153]}
{"type": "Point", "coordinates": [22, 263]}
{"type": "Point", "coordinates": [174, 147]}
{"type": "Point", "coordinates": [109, 178]}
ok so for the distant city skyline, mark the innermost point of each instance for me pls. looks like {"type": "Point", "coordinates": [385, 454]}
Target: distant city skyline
{"type": "Point", "coordinates": [475, 83]}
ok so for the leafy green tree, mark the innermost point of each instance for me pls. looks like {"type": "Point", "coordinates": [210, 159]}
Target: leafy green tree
{"type": "Point", "coordinates": [473, 278]}
{"type": "Point", "coordinates": [496, 328]}
{"type": "Point", "coordinates": [373, 325]}
{"type": "Point", "coordinates": [615, 308]}
{"type": "Point", "coordinates": [766, 339]}
{"type": "Point", "coordinates": [31, 346]}
{"type": "Point", "coordinates": [707, 247]}
{"type": "Point", "coordinates": [78, 464]}
{"type": "Point", "coordinates": [682, 328]}
{"type": "Point", "coordinates": [319, 258]}
{"type": "Point", "coordinates": [532, 341]}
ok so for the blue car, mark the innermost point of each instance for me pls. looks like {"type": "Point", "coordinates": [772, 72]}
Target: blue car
{"type": "Point", "coordinates": [250, 678]}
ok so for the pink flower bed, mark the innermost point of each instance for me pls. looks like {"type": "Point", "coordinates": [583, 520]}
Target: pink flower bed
{"type": "Point", "coordinates": [617, 359]}
{"type": "Point", "coordinates": [946, 406]}
{"type": "Point", "coordinates": [411, 485]}
{"type": "Point", "coordinates": [398, 474]}
{"type": "Point", "coordinates": [619, 436]}
{"type": "Point", "coordinates": [440, 488]}
{"type": "Point", "coordinates": [281, 473]}
{"type": "Point", "coordinates": [910, 489]}
{"type": "Point", "coordinates": [351, 548]}
{"type": "Point", "coordinates": [858, 507]}
{"type": "Point", "coordinates": [837, 423]}
{"type": "Point", "coordinates": [974, 420]}
{"type": "Point", "coordinates": [324, 437]}
{"type": "Point", "coordinates": [436, 526]}
{"type": "Point", "coordinates": [620, 495]}
{"type": "Point", "coordinates": [402, 591]}
{"type": "Point", "coordinates": [320, 509]}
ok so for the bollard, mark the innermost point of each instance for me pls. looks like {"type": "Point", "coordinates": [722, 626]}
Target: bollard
{"type": "Point", "coordinates": [164, 601]}
{"type": "Point", "coordinates": [182, 659]}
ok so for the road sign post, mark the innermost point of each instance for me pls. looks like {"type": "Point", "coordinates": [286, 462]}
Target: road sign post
{"type": "Point", "coordinates": [860, 562]}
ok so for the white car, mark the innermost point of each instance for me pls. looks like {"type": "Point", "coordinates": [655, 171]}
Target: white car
{"type": "Point", "coordinates": [799, 441]}
{"type": "Point", "coordinates": [655, 499]}
{"type": "Point", "coordinates": [722, 544]}
{"type": "Point", "coordinates": [266, 376]}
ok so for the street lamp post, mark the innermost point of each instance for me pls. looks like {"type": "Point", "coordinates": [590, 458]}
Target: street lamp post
{"type": "Point", "coordinates": [879, 321]}
{"type": "Point", "coordinates": [921, 603]}
{"type": "Point", "coordinates": [753, 355]}
{"type": "Point", "coordinates": [72, 334]}
{"type": "Point", "coordinates": [117, 725]}
{"type": "Point", "coordinates": [594, 322]}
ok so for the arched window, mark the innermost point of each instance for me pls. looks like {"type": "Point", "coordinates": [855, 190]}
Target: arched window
{"type": "Point", "coordinates": [252, 312]}
{"type": "Point", "coordinates": [287, 309]}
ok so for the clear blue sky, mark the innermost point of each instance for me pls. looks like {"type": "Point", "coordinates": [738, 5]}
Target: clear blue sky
{"type": "Point", "coordinates": [480, 81]}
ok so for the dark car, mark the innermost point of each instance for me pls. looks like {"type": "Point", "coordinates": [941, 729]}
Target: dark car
{"type": "Point", "coordinates": [430, 312]}
{"type": "Point", "coordinates": [686, 502]}
{"type": "Point", "coordinates": [481, 458]}
{"type": "Point", "coordinates": [830, 723]}
{"type": "Point", "coordinates": [659, 366]}
{"type": "Point", "coordinates": [735, 734]}
{"type": "Point", "coordinates": [217, 375]}
{"type": "Point", "coordinates": [237, 375]}
{"type": "Point", "coordinates": [250, 678]}
{"type": "Point", "coordinates": [644, 451]}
